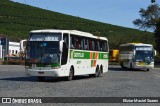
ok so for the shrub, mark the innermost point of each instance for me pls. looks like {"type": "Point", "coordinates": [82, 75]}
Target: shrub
{"type": "Point", "coordinates": [157, 60]}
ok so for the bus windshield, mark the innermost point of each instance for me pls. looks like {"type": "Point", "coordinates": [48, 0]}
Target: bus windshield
{"type": "Point", "coordinates": [144, 56]}
{"type": "Point", "coordinates": [43, 52]}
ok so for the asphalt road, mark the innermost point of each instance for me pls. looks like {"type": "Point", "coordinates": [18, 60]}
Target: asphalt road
{"type": "Point", "coordinates": [116, 82]}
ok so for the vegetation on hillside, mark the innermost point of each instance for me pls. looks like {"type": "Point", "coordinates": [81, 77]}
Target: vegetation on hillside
{"type": "Point", "coordinates": [17, 20]}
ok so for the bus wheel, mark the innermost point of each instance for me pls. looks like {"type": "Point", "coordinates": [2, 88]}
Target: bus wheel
{"type": "Point", "coordinates": [121, 64]}
{"type": "Point", "coordinates": [41, 79]}
{"type": "Point", "coordinates": [147, 69]}
{"type": "Point", "coordinates": [71, 75]}
{"type": "Point", "coordinates": [131, 67]}
{"type": "Point", "coordinates": [101, 70]}
{"type": "Point", "coordinates": [98, 72]}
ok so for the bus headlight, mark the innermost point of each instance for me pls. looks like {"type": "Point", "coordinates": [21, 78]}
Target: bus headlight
{"type": "Point", "coordinates": [55, 67]}
{"type": "Point", "coordinates": [27, 67]}
{"type": "Point", "coordinates": [137, 63]}
{"type": "Point", "coordinates": [34, 65]}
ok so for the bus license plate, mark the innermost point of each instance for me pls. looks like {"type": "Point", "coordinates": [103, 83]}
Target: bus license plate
{"type": "Point", "coordinates": [40, 72]}
{"type": "Point", "coordinates": [141, 63]}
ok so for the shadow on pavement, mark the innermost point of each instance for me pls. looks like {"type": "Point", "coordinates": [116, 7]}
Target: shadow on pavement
{"type": "Point", "coordinates": [125, 69]}
{"type": "Point", "coordinates": [47, 79]}
{"type": "Point", "coordinates": [29, 79]}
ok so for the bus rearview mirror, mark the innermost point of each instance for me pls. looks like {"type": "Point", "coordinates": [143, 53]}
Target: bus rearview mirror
{"type": "Point", "coordinates": [155, 52]}
{"type": "Point", "coordinates": [134, 52]}
{"type": "Point", "coordinates": [61, 46]}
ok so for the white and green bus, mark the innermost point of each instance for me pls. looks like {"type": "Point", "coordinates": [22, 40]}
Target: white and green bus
{"type": "Point", "coordinates": [65, 53]}
{"type": "Point", "coordinates": [137, 56]}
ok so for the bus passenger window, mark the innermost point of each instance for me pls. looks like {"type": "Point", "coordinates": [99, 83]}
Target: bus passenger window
{"type": "Point", "coordinates": [86, 44]}
{"type": "Point", "coordinates": [101, 47]}
{"type": "Point", "coordinates": [104, 46]}
{"type": "Point", "coordinates": [90, 45]}
{"type": "Point", "coordinates": [65, 38]}
{"type": "Point", "coordinates": [78, 43]}
{"type": "Point", "coordinates": [82, 43]}
{"type": "Point", "coordinates": [72, 42]}
{"type": "Point", "coordinates": [93, 45]}
{"type": "Point", "coordinates": [98, 45]}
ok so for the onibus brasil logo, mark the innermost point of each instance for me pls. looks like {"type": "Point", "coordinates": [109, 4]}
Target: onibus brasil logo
{"type": "Point", "coordinates": [21, 100]}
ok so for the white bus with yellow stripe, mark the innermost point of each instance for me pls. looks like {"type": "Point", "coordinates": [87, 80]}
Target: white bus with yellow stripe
{"type": "Point", "coordinates": [65, 53]}
{"type": "Point", "coordinates": [137, 56]}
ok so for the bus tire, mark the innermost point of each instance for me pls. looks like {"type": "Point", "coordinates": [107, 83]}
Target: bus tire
{"type": "Point", "coordinates": [98, 72]}
{"type": "Point", "coordinates": [71, 74]}
{"type": "Point", "coordinates": [101, 70]}
{"type": "Point", "coordinates": [40, 78]}
{"type": "Point", "coordinates": [147, 69]}
{"type": "Point", "coordinates": [131, 67]}
{"type": "Point", "coordinates": [121, 64]}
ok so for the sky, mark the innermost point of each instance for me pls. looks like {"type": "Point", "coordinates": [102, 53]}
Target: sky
{"type": "Point", "coordinates": [116, 12]}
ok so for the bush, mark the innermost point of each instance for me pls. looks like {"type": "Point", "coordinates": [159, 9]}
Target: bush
{"type": "Point", "coordinates": [157, 60]}
{"type": "Point", "coordinates": [13, 62]}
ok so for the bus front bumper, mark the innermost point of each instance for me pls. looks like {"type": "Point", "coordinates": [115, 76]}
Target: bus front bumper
{"type": "Point", "coordinates": [149, 66]}
{"type": "Point", "coordinates": [45, 73]}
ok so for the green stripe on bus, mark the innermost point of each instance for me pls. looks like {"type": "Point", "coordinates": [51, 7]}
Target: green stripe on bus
{"type": "Point", "coordinates": [87, 55]}
{"type": "Point", "coordinates": [43, 65]}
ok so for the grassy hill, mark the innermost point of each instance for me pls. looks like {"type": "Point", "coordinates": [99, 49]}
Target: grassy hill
{"type": "Point", "coordinates": [16, 20]}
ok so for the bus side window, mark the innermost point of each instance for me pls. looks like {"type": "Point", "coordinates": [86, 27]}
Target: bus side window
{"type": "Point", "coordinates": [101, 46]}
{"type": "Point", "coordinates": [82, 43]}
{"type": "Point", "coordinates": [106, 43]}
{"type": "Point", "coordinates": [16, 52]}
{"type": "Point", "coordinates": [79, 43]}
{"type": "Point", "coordinates": [65, 38]}
{"type": "Point", "coordinates": [90, 44]}
{"type": "Point", "coordinates": [76, 44]}
{"type": "Point", "coordinates": [98, 45]}
{"type": "Point", "coordinates": [72, 42]}
{"type": "Point", "coordinates": [86, 44]}
{"type": "Point", "coordinates": [104, 46]}
{"type": "Point", "coordinates": [12, 51]}
{"type": "Point", "coordinates": [65, 49]}
{"type": "Point", "coordinates": [93, 45]}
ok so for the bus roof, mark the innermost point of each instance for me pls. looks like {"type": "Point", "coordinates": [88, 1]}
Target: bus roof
{"type": "Point", "coordinates": [81, 33]}
{"type": "Point", "coordinates": [136, 44]}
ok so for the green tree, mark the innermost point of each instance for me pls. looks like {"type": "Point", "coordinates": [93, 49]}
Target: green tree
{"type": "Point", "coordinates": [157, 36]}
{"type": "Point", "coordinates": [150, 19]}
